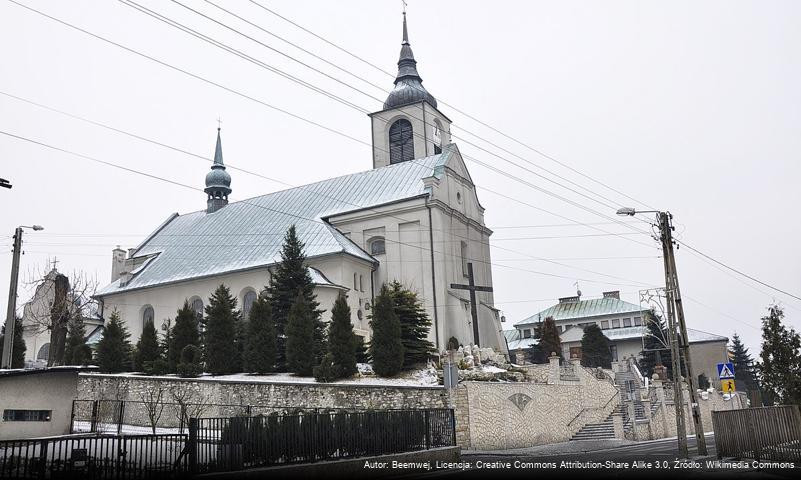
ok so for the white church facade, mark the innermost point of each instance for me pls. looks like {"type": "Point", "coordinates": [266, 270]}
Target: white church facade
{"type": "Point", "coordinates": [414, 217]}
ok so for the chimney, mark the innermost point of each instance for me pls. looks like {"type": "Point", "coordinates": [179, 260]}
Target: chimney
{"type": "Point", "coordinates": [575, 299]}
{"type": "Point", "coordinates": [117, 263]}
{"type": "Point", "coordinates": [612, 294]}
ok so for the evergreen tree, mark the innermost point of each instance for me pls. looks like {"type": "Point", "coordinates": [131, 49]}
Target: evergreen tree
{"type": "Point", "coordinates": [386, 346]}
{"type": "Point", "coordinates": [703, 382]}
{"type": "Point", "coordinates": [184, 332]}
{"type": "Point", "coordinates": [77, 352]}
{"type": "Point", "coordinates": [260, 342]}
{"type": "Point", "coordinates": [656, 346]}
{"type": "Point", "coordinates": [147, 348]}
{"type": "Point", "coordinates": [300, 338]}
{"type": "Point", "coordinates": [341, 340]}
{"type": "Point", "coordinates": [780, 368]}
{"type": "Point", "coordinates": [595, 348]}
{"type": "Point", "coordinates": [114, 349]}
{"type": "Point", "coordinates": [744, 374]}
{"type": "Point", "coordinates": [415, 325]}
{"type": "Point", "coordinates": [362, 356]}
{"type": "Point", "coordinates": [18, 347]}
{"type": "Point", "coordinates": [290, 276]}
{"type": "Point", "coordinates": [221, 340]}
{"type": "Point", "coordinates": [326, 371]}
{"type": "Point", "coordinates": [189, 364]}
{"type": "Point", "coordinates": [549, 340]}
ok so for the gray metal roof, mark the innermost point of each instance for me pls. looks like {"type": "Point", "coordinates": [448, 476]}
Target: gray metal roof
{"type": "Point", "coordinates": [585, 308]}
{"type": "Point", "coordinates": [627, 333]}
{"type": "Point", "coordinates": [408, 84]}
{"type": "Point", "coordinates": [249, 233]}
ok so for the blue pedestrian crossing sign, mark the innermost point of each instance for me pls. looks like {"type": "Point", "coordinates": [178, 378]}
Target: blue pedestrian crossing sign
{"type": "Point", "coordinates": [725, 370]}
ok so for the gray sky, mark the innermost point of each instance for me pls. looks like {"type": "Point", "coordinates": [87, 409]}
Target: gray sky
{"type": "Point", "coordinates": [688, 106]}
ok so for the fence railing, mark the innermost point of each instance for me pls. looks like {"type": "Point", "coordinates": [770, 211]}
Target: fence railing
{"type": "Point", "coordinates": [764, 433]}
{"type": "Point", "coordinates": [94, 457]}
{"type": "Point", "coordinates": [229, 444]}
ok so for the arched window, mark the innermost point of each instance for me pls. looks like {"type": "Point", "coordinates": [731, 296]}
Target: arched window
{"type": "Point", "coordinates": [44, 352]}
{"type": "Point", "coordinates": [465, 258]}
{"type": "Point", "coordinates": [361, 283]}
{"type": "Point", "coordinates": [401, 141]}
{"type": "Point", "coordinates": [355, 285]}
{"type": "Point", "coordinates": [437, 137]}
{"type": "Point", "coordinates": [147, 315]}
{"type": "Point", "coordinates": [197, 307]}
{"type": "Point", "coordinates": [247, 303]}
{"type": "Point", "coordinates": [377, 246]}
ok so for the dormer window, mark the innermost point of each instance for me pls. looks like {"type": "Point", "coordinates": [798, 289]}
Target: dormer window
{"type": "Point", "coordinates": [401, 142]}
{"type": "Point", "coordinates": [377, 246]}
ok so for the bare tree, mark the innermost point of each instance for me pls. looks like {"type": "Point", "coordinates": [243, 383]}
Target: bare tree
{"type": "Point", "coordinates": [153, 399]}
{"type": "Point", "coordinates": [57, 299]}
{"type": "Point", "coordinates": [188, 402]}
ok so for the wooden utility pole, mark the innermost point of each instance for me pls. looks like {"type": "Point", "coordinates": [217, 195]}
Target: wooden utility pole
{"type": "Point", "coordinates": [11, 314]}
{"type": "Point", "coordinates": [684, 343]}
{"type": "Point", "coordinates": [472, 288]}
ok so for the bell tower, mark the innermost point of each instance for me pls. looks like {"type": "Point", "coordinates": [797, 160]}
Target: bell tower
{"type": "Point", "coordinates": [218, 181]}
{"type": "Point", "coordinates": [410, 125]}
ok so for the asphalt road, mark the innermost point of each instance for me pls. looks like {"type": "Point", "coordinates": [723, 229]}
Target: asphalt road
{"type": "Point", "coordinates": [657, 459]}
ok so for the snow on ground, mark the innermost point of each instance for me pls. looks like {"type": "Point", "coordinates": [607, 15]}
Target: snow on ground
{"type": "Point", "coordinates": [426, 377]}
{"type": "Point", "coordinates": [491, 369]}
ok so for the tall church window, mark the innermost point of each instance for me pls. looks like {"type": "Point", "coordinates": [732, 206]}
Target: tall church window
{"type": "Point", "coordinates": [44, 352]}
{"type": "Point", "coordinates": [147, 315]}
{"type": "Point", "coordinates": [401, 141]}
{"type": "Point", "coordinates": [464, 256]}
{"type": "Point", "coordinates": [437, 137]}
{"type": "Point", "coordinates": [197, 307]}
{"type": "Point", "coordinates": [377, 246]}
{"type": "Point", "coordinates": [247, 303]}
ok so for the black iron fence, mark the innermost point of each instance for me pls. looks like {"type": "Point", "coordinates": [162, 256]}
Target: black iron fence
{"type": "Point", "coordinates": [236, 443]}
{"type": "Point", "coordinates": [764, 433]}
{"type": "Point", "coordinates": [95, 457]}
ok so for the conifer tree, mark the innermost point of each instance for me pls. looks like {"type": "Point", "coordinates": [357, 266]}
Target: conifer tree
{"type": "Point", "coordinates": [415, 325]}
{"type": "Point", "coordinates": [656, 346]}
{"type": "Point", "coordinates": [18, 348]}
{"type": "Point", "coordinates": [341, 341]}
{"type": "Point", "coordinates": [260, 342]}
{"type": "Point", "coordinates": [300, 338]}
{"type": "Point", "coordinates": [290, 275]}
{"type": "Point", "coordinates": [386, 346]}
{"type": "Point", "coordinates": [595, 348]}
{"type": "Point", "coordinates": [780, 366]}
{"type": "Point", "coordinates": [221, 340]}
{"type": "Point", "coordinates": [549, 339]}
{"type": "Point", "coordinates": [184, 332]}
{"type": "Point", "coordinates": [744, 374]}
{"type": "Point", "coordinates": [77, 352]}
{"type": "Point", "coordinates": [147, 348]}
{"type": "Point", "coordinates": [114, 349]}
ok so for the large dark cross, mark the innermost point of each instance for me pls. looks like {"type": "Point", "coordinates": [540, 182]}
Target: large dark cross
{"type": "Point", "coordinates": [473, 288]}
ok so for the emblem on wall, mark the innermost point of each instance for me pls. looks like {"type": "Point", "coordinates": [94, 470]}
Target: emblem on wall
{"type": "Point", "coordinates": [520, 400]}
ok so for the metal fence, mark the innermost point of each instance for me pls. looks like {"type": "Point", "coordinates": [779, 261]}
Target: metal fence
{"type": "Point", "coordinates": [94, 457]}
{"type": "Point", "coordinates": [229, 444]}
{"type": "Point", "coordinates": [763, 433]}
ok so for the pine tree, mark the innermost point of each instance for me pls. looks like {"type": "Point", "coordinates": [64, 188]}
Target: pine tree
{"type": "Point", "coordinates": [595, 350]}
{"type": "Point", "coordinates": [260, 342]}
{"type": "Point", "coordinates": [147, 348]}
{"type": "Point", "coordinates": [549, 339]}
{"type": "Point", "coordinates": [341, 340]}
{"type": "Point", "coordinates": [291, 275]}
{"type": "Point", "coordinates": [744, 374]}
{"type": "Point", "coordinates": [183, 333]}
{"type": "Point", "coordinates": [221, 340]}
{"type": "Point", "coordinates": [77, 352]}
{"type": "Point", "coordinates": [300, 338]}
{"type": "Point", "coordinates": [656, 346]}
{"type": "Point", "coordinates": [114, 349]}
{"type": "Point", "coordinates": [18, 347]}
{"type": "Point", "coordinates": [780, 366]}
{"type": "Point", "coordinates": [415, 325]}
{"type": "Point", "coordinates": [386, 346]}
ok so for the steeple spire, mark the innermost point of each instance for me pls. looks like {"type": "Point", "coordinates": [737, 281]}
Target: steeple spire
{"type": "Point", "coordinates": [408, 83]}
{"type": "Point", "coordinates": [218, 181]}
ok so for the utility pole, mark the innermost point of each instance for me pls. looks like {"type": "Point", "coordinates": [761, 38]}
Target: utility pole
{"type": "Point", "coordinates": [685, 344]}
{"type": "Point", "coordinates": [11, 314]}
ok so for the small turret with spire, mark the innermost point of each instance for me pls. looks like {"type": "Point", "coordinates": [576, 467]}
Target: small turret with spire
{"type": "Point", "coordinates": [218, 181]}
{"type": "Point", "coordinates": [408, 83]}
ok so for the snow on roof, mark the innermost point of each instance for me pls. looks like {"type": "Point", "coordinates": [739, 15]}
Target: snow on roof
{"type": "Point", "coordinates": [249, 233]}
{"type": "Point", "coordinates": [515, 340]}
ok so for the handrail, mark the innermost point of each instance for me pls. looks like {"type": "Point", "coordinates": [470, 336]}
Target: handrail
{"type": "Point", "coordinates": [593, 408]}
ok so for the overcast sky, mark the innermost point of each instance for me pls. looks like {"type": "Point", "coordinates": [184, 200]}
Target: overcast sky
{"type": "Point", "coordinates": [693, 107]}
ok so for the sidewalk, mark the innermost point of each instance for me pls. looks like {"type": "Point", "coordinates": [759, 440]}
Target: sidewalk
{"type": "Point", "coordinates": [581, 446]}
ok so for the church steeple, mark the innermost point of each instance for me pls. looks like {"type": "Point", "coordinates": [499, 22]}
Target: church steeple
{"type": "Point", "coordinates": [408, 83]}
{"type": "Point", "coordinates": [218, 181]}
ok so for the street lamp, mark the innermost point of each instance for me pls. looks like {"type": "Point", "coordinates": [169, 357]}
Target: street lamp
{"type": "Point", "coordinates": [11, 314]}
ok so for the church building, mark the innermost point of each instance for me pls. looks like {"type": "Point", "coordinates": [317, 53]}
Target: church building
{"type": "Point", "coordinates": [414, 217]}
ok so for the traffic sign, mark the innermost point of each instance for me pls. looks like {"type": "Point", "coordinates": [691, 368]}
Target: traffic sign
{"type": "Point", "coordinates": [727, 386]}
{"type": "Point", "coordinates": [725, 371]}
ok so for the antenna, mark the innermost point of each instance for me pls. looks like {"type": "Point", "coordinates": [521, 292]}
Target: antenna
{"type": "Point", "coordinates": [578, 290]}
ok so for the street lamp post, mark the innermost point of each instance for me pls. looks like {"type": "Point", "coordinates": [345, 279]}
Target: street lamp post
{"type": "Point", "coordinates": [11, 314]}
{"type": "Point", "coordinates": [677, 328]}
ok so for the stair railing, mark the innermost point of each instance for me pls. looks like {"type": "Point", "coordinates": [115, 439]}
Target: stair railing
{"type": "Point", "coordinates": [592, 408]}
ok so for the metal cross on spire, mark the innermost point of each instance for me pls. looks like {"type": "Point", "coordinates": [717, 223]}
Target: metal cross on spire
{"type": "Point", "coordinates": [219, 123]}
{"type": "Point", "coordinates": [404, 6]}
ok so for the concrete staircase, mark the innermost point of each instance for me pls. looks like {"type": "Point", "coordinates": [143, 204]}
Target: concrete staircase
{"type": "Point", "coordinates": [597, 431]}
